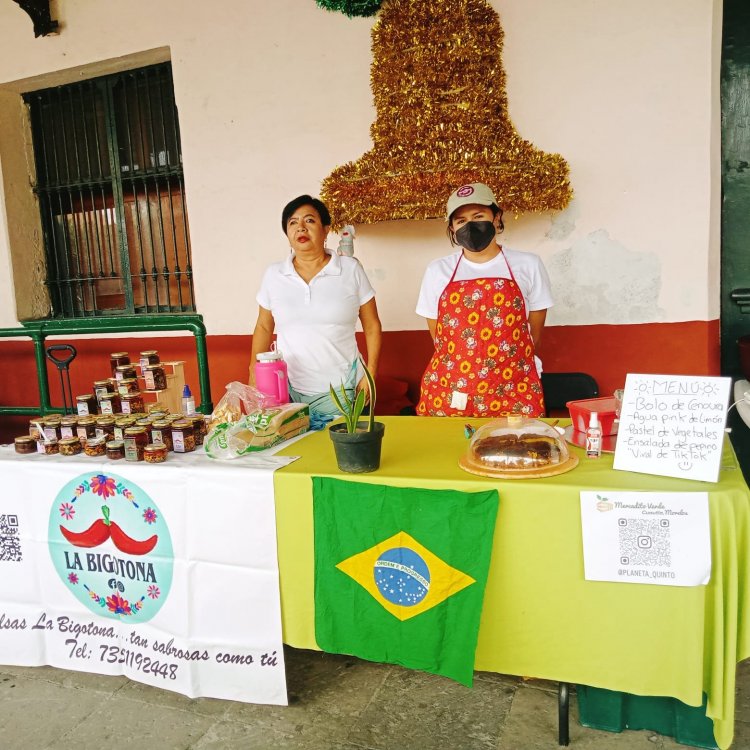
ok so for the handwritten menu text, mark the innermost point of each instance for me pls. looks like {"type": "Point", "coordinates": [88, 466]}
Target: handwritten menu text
{"type": "Point", "coordinates": [673, 425]}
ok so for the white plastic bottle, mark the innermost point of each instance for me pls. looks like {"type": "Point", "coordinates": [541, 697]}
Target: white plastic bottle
{"type": "Point", "coordinates": [188, 402]}
{"type": "Point", "coordinates": [594, 437]}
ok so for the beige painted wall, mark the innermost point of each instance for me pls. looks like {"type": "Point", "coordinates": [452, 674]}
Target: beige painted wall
{"type": "Point", "coordinates": [273, 93]}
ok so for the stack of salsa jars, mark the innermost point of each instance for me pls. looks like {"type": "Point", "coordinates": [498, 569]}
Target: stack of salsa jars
{"type": "Point", "coordinates": [112, 420]}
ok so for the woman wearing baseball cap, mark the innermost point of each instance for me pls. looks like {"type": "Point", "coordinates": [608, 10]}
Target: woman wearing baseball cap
{"type": "Point", "coordinates": [485, 307]}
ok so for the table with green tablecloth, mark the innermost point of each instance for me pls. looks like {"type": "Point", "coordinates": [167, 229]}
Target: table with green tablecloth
{"type": "Point", "coordinates": [541, 618]}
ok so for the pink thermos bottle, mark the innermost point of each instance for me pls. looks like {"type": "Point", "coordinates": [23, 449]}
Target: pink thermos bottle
{"type": "Point", "coordinates": [271, 377]}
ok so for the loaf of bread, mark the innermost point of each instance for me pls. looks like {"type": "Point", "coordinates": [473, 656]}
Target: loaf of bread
{"type": "Point", "coordinates": [259, 430]}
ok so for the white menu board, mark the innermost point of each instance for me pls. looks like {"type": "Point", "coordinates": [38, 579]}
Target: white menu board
{"type": "Point", "coordinates": [673, 425]}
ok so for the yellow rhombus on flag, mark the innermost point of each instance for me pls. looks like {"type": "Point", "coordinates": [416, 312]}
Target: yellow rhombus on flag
{"type": "Point", "coordinates": [444, 581]}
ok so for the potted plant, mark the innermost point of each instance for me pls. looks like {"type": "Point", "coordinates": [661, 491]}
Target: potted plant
{"type": "Point", "coordinates": [357, 442]}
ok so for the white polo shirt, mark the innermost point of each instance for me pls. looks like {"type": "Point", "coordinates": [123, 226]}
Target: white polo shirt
{"type": "Point", "coordinates": [315, 322]}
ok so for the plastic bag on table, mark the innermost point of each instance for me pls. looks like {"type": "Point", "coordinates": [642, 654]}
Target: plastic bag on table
{"type": "Point", "coordinates": [239, 399]}
{"type": "Point", "coordinates": [257, 431]}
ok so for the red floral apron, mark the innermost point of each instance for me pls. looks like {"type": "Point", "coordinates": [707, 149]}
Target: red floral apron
{"type": "Point", "coordinates": [483, 364]}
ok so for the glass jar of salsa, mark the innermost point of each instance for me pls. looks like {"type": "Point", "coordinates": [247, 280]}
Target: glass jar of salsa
{"type": "Point", "coordinates": [199, 426]}
{"type": "Point", "coordinates": [48, 447]}
{"type": "Point", "coordinates": [51, 428]}
{"type": "Point", "coordinates": [183, 436]}
{"type": "Point", "coordinates": [125, 372]}
{"type": "Point", "coordinates": [95, 447]}
{"type": "Point", "coordinates": [116, 359]}
{"type": "Point", "coordinates": [68, 426]}
{"type": "Point", "coordinates": [120, 424]}
{"type": "Point", "coordinates": [70, 446]}
{"type": "Point", "coordinates": [136, 439]}
{"type": "Point", "coordinates": [86, 405]}
{"type": "Point", "coordinates": [155, 453]}
{"type": "Point", "coordinates": [131, 403]}
{"type": "Point", "coordinates": [110, 403]}
{"type": "Point", "coordinates": [36, 428]}
{"type": "Point", "coordinates": [161, 432]}
{"type": "Point", "coordinates": [150, 357]}
{"type": "Point", "coordinates": [102, 388]}
{"type": "Point", "coordinates": [25, 445]}
{"type": "Point", "coordinates": [115, 449]}
{"type": "Point", "coordinates": [129, 385]}
{"type": "Point", "coordinates": [105, 427]}
{"type": "Point", "coordinates": [86, 428]}
{"type": "Point", "coordinates": [155, 377]}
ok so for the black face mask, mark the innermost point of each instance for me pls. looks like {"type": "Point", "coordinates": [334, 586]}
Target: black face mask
{"type": "Point", "coordinates": [475, 236]}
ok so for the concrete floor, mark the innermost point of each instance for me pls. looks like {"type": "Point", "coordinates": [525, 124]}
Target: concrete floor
{"type": "Point", "coordinates": [336, 703]}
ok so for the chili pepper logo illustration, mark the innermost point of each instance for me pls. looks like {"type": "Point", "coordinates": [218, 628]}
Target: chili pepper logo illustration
{"type": "Point", "coordinates": [128, 579]}
{"type": "Point", "coordinates": [103, 529]}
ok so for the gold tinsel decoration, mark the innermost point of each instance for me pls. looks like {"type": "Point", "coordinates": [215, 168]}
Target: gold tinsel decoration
{"type": "Point", "coordinates": [442, 121]}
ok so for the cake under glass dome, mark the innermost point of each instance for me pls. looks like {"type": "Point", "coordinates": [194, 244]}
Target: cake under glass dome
{"type": "Point", "coordinates": [516, 447]}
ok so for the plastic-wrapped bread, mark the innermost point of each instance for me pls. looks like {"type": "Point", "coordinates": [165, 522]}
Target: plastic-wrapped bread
{"type": "Point", "coordinates": [259, 430]}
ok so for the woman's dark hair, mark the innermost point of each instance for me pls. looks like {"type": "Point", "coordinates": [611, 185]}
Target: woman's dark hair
{"type": "Point", "coordinates": [495, 211]}
{"type": "Point", "coordinates": [305, 200]}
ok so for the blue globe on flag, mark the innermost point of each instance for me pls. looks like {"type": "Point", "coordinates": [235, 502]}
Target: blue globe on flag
{"type": "Point", "coordinates": [402, 576]}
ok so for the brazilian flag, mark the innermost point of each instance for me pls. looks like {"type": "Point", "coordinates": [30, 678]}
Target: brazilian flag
{"type": "Point", "coordinates": [400, 573]}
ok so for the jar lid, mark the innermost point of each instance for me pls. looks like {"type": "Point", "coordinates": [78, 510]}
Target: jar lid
{"type": "Point", "coordinates": [106, 381]}
{"type": "Point", "coordinates": [125, 367]}
{"type": "Point", "coordinates": [135, 430]}
{"type": "Point", "coordinates": [68, 421]}
{"type": "Point", "coordinates": [75, 440]}
{"type": "Point", "coordinates": [94, 440]}
{"type": "Point", "coordinates": [130, 396]}
{"type": "Point", "coordinates": [55, 419]}
{"type": "Point", "coordinates": [85, 397]}
{"type": "Point", "coordinates": [114, 445]}
{"type": "Point", "coordinates": [125, 421]}
{"type": "Point", "coordinates": [119, 354]}
{"type": "Point", "coordinates": [86, 420]}
{"type": "Point", "coordinates": [181, 424]}
{"type": "Point", "coordinates": [155, 448]}
{"type": "Point", "coordinates": [105, 420]}
{"type": "Point", "coordinates": [24, 440]}
{"type": "Point", "coordinates": [154, 367]}
{"type": "Point", "coordinates": [149, 352]}
{"type": "Point", "coordinates": [161, 424]}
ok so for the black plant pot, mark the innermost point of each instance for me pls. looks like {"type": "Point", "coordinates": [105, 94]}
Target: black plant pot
{"type": "Point", "coordinates": [357, 452]}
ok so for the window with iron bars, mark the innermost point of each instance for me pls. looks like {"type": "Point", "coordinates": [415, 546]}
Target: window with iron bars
{"type": "Point", "coordinates": [112, 195]}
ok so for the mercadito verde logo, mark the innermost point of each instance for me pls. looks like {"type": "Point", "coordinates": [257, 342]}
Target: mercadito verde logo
{"type": "Point", "coordinates": [111, 547]}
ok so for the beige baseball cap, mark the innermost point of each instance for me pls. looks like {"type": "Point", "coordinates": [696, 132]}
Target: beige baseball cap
{"type": "Point", "coordinates": [476, 192]}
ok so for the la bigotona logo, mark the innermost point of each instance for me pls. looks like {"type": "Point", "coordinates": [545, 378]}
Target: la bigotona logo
{"type": "Point", "coordinates": [111, 547]}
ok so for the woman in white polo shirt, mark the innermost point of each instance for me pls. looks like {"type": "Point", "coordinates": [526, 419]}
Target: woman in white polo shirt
{"type": "Point", "coordinates": [312, 301]}
{"type": "Point", "coordinates": [485, 307]}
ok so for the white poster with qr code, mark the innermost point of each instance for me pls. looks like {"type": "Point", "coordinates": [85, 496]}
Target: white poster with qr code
{"type": "Point", "coordinates": [663, 538]}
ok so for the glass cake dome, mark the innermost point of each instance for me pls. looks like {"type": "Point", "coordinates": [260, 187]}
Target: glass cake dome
{"type": "Point", "coordinates": [516, 447]}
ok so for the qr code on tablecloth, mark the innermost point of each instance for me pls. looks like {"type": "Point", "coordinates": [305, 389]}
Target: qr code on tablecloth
{"type": "Point", "coordinates": [645, 542]}
{"type": "Point", "coordinates": [10, 541]}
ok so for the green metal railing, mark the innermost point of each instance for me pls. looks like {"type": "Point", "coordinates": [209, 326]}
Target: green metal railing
{"type": "Point", "coordinates": [38, 331]}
